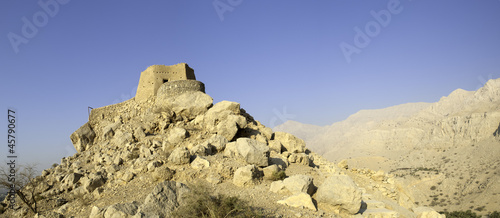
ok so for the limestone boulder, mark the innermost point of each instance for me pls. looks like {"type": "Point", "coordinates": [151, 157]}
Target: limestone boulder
{"type": "Point", "coordinates": [300, 183]}
{"type": "Point", "coordinates": [275, 146]}
{"type": "Point", "coordinates": [121, 210]}
{"type": "Point", "coordinates": [301, 200]}
{"type": "Point", "coordinates": [139, 133]}
{"type": "Point", "coordinates": [220, 107]}
{"type": "Point", "coordinates": [201, 149]}
{"type": "Point", "coordinates": [188, 105]}
{"type": "Point", "coordinates": [71, 179]}
{"type": "Point", "coordinates": [180, 156]}
{"type": "Point", "coordinates": [93, 182]}
{"type": "Point", "coordinates": [253, 152]}
{"type": "Point", "coordinates": [163, 173]}
{"type": "Point", "coordinates": [229, 126]}
{"type": "Point", "coordinates": [122, 138]}
{"type": "Point", "coordinates": [270, 171]}
{"type": "Point", "coordinates": [218, 142]}
{"type": "Point", "coordinates": [340, 190]}
{"type": "Point", "coordinates": [176, 135]}
{"type": "Point", "coordinates": [278, 160]}
{"type": "Point", "coordinates": [278, 187]}
{"type": "Point", "coordinates": [231, 151]}
{"type": "Point", "coordinates": [83, 137]}
{"type": "Point", "coordinates": [290, 142]}
{"type": "Point", "coordinates": [379, 176]}
{"type": "Point", "coordinates": [247, 176]}
{"type": "Point", "coordinates": [127, 176]}
{"type": "Point", "coordinates": [224, 119]}
{"type": "Point", "coordinates": [300, 158]}
{"type": "Point", "coordinates": [164, 199]}
{"type": "Point", "coordinates": [265, 131]}
{"type": "Point", "coordinates": [109, 131]}
{"type": "Point", "coordinates": [50, 214]}
{"type": "Point", "coordinates": [200, 163]}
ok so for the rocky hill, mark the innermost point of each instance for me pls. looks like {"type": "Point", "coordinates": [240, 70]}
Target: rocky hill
{"type": "Point", "coordinates": [151, 158]}
{"type": "Point", "coordinates": [446, 152]}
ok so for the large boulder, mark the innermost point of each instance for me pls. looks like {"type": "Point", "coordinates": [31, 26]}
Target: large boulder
{"type": "Point", "coordinates": [223, 106]}
{"type": "Point", "coordinates": [229, 126]}
{"type": "Point", "coordinates": [247, 176]}
{"type": "Point", "coordinates": [180, 156]}
{"type": "Point", "coordinates": [341, 191]}
{"type": "Point", "coordinates": [301, 200]}
{"type": "Point", "coordinates": [188, 105]}
{"type": "Point", "coordinates": [253, 152]}
{"type": "Point", "coordinates": [299, 183]}
{"type": "Point", "coordinates": [83, 137]}
{"type": "Point", "coordinates": [300, 158]}
{"type": "Point", "coordinates": [121, 210]}
{"type": "Point", "coordinates": [93, 182]}
{"type": "Point", "coordinates": [275, 146]}
{"type": "Point", "coordinates": [290, 142]}
{"type": "Point", "coordinates": [218, 142]}
{"type": "Point", "coordinates": [278, 187]}
{"type": "Point", "coordinates": [109, 131]}
{"type": "Point", "coordinates": [200, 163]}
{"type": "Point", "coordinates": [176, 135]}
{"type": "Point", "coordinates": [164, 199]}
{"type": "Point", "coordinates": [224, 119]}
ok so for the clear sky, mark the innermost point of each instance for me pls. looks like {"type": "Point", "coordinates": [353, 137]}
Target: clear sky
{"type": "Point", "coordinates": [315, 62]}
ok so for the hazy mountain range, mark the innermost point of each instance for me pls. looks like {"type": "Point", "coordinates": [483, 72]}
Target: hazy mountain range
{"type": "Point", "coordinates": [454, 138]}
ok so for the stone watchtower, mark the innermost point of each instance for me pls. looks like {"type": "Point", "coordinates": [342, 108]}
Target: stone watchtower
{"type": "Point", "coordinates": [154, 76]}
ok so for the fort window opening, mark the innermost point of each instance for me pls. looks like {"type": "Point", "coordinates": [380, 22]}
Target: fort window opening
{"type": "Point", "coordinates": [165, 80]}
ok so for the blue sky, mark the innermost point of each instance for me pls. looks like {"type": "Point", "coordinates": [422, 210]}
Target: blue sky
{"type": "Point", "coordinates": [280, 59]}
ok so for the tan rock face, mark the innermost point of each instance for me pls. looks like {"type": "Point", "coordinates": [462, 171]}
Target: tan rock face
{"type": "Point", "coordinates": [299, 200]}
{"type": "Point", "coordinates": [291, 143]}
{"type": "Point", "coordinates": [83, 137]}
{"type": "Point", "coordinates": [340, 190]}
{"type": "Point", "coordinates": [253, 152]}
{"type": "Point", "coordinates": [247, 176]}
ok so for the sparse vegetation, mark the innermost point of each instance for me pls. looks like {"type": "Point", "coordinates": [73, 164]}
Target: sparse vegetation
{"type": "Point", "coordinates": [461, 214]}
{"type": "Point", "coordinates": [468, 214]}
{"type": "Point", "coordinates": [480, 208]}
{"type": "Point", "coordinates": [280, 175]}
{"type": "Point", "coordinates": [26, 184]}
{"type": "Point", "coordinates": [200, 203]}
{"type": "Point", "coordinates": [495, 214]}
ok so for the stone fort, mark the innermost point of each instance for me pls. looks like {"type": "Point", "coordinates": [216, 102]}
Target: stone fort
{"type": "Point", "coordinates": [155, 76]}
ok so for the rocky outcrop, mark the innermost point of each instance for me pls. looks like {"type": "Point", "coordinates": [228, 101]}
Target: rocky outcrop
{"type": "Point", "coordinates": [179, 156]}
{"type": "Point", "coordinates": [247, 176]}
{"type": "Point", "coordinates": [300, 184]}
{"type": "Point", "coordinates": [253, 152]}
{"type": "Point", "coordinates": [299, 200]}
{"type": "Point", "coordinates": [161, 202]}
{"type": "Point", "coordinates": [188, 105]}
{"type": "Point", "coordinates": [340, 190]}
{"type": "Point", "coordinates": [83, 137]}
{"type": "Point", "coordinates": [137, 158]}
{"type": "Point", "coordinates": [290, 142]}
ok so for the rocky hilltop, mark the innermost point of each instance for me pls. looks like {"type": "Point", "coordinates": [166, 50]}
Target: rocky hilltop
{"type": "Point", "coordinates": [149, 158]}
{"type": "Point", "coordinates": [446, 152]}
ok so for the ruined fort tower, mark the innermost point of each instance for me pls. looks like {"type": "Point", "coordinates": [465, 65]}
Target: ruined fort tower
{"type": "Point", "coordinates": [156, 75]}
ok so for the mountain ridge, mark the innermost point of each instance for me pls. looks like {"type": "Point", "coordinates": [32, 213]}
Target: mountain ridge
{"type": "Point", "coordinates": [424, 136]}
